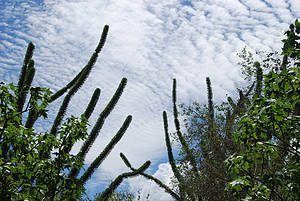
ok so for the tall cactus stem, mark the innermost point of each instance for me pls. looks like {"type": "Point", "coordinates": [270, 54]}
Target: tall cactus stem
{"type": "Point", "coordinates": [91, 106]}
{"type": "Point", "coordinates": [95, 164]}
{"type": "Point", "coordinates": [86, 70]}
{"type": "Point", "coordinates": [79, 82]}
{"type": "Point", "coordinates": [26, 85]}
{"type": "Point", "coordinates": [210, 103]}
{"type": "Point", "coordinates": [28, 56]}
{"type": "Point", "coordinates": [100, 121]}
{"type": "Point", "coordinates": [179, 134]}
{"type": "Point", "coordinates": [259, 79]}
{"type": "Point", "coordinates": [171, 157]}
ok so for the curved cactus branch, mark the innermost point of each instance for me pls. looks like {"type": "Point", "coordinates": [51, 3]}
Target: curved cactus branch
{"type": "Point", "coordinates": [163, 186]}
{"type": "Point", "coordinates": [112, 187]}
{"type": "Point", "coordinates": [83, 76]}
{"type": "Point", "coordinates": [86, 70]}
{"type": "Point", "coordinates": [157, 181]}
{"type": "Point", "coordinates": [60, 92]}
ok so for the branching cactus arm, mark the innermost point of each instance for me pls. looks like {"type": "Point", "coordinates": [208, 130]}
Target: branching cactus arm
{"type": "Point", "coordinates": [30, 72]}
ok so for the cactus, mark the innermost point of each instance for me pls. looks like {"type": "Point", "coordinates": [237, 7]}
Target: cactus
{"type": "Point", "coordinates": [35, 109]}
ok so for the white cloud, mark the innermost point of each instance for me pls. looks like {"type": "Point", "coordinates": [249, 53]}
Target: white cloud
{"type": "Point", "coordinates": [150, 43]}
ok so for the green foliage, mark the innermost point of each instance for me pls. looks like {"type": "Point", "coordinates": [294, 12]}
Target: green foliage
{"type": "Point", "coordinates": [291, 46]}
{"type": "Point", "coordinates": [210, 145]}
{"type": "Point", "coordinates": [268, 167]}
{"type": "Point", "coordinates": [23, 174]}
{"type": "Point", "coordinates": [270, 60]}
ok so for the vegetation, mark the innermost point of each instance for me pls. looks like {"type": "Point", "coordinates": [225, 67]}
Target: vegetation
{"type": "Point", "coordinates": [243, 149]}
{"type": "Point", "coordinates": [246, 149]}
{"type": "Point", "coordinates": [268, 167]}
{"type": "Point", "coordinates": [210, 132]}
{"type": "Point", "coordinates": [38, 165]}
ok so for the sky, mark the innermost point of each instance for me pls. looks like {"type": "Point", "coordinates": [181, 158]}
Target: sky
{"type": "Point", "coordinates": [150, 42]}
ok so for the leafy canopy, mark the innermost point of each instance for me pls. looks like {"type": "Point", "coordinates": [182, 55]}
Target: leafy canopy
{"type": "Point", "coordinates": [268, 167]}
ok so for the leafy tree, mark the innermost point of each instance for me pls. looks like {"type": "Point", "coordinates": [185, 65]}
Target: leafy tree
{"type": "Point", "coordinates": [38, 165]}
{"type": "Point", "coordinates": [268, 167]}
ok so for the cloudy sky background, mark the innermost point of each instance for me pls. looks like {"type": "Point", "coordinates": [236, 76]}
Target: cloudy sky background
{"type": "Point", "coordinates": [150, 42]}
